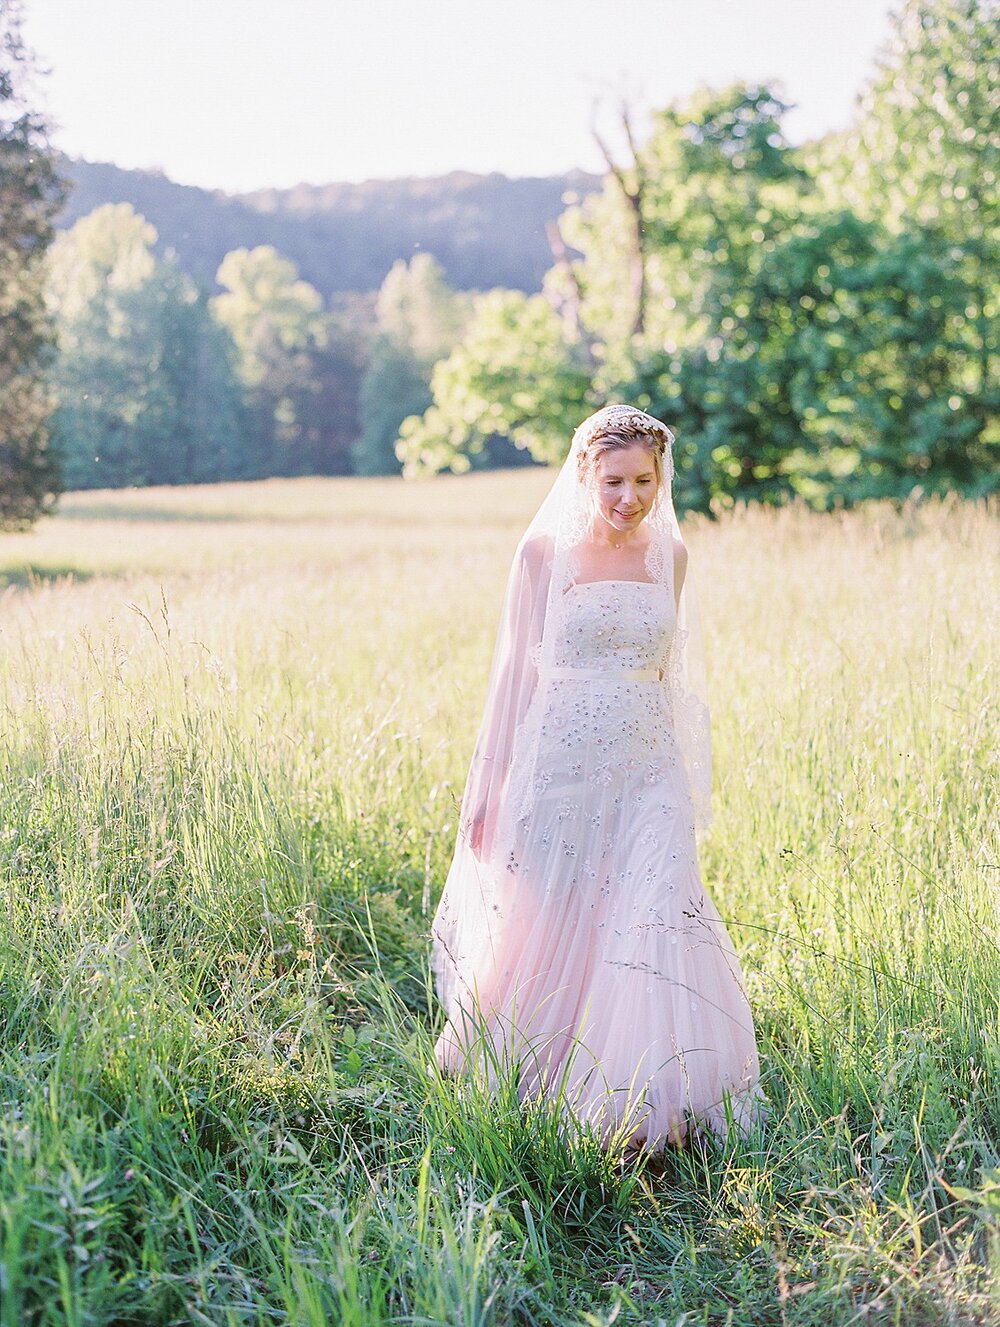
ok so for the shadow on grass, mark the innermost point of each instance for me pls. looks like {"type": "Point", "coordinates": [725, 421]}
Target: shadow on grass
{"type": "Point", "coordinates": [29, 575]}
{"type": "Point", "coordinates": [114, 511]}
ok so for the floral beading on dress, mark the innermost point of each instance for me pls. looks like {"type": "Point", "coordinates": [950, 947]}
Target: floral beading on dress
{"type": "Point", "coordinates": [607, 970]}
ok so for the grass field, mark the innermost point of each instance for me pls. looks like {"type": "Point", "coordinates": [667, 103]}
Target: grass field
{"type": "Point", "coordinates": [235, 724]}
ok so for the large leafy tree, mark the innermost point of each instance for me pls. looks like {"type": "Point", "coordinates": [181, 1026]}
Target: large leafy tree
{"type": "Point", "coordinates": [843, 342]}
{"type": "Point", "coordinates": [840, 380]}
{"type": "Point", "coordinates": [924, 149]}
{"type": "Point", "coordinates": [420, 319]}
{"type": "Point", "coordinates": [514, 374]}
{"type": "Point", "coordinates": [96, 271]}
{"type": "Point", "coordinates": [925, 160]}
{"type": "Point", "coordinates": [196, 418]}
{"type": "Point", "coordinates": [328, 422]}
{"type": "Point", "coordinates": [395, 386]}
{"type": "Point", "coordinates": [30, 194]}
{"type": "Point", "coordinates": [145, 378]}
{"type": "Point", "coordinates": [724, 187]}
{"type": "Point", "coordinates": [278, 325]}
{"type": "Point", "coordinates": [715, 185]}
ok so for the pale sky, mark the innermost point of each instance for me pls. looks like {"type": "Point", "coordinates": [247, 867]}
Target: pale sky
{"type": "Point", "coordinates": [241, 94]}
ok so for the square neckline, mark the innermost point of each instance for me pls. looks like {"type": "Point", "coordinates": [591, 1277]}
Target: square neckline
{"type": "Point", "coordinates": [649, 565]}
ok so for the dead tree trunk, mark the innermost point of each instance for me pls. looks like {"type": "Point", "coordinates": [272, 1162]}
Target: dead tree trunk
{"type": "Point", "coordinates": [569, 305]}
{"type": "Point", "coordinates": [632, 192]}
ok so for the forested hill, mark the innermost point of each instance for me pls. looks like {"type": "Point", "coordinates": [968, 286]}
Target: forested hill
{"type": "Point", "coordinates": [485, 230]}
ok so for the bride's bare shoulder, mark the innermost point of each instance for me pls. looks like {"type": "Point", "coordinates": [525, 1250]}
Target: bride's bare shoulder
{"type": "Point", "coordinates": [536, 552]}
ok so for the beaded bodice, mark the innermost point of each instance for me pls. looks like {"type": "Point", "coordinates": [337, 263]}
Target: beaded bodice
{"type": "Point", "coordinates": [606, 708]}
{"type": "Point", "coordinates": [614, 624]}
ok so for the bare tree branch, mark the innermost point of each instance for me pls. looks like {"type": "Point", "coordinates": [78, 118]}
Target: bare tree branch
{"type": "Point", "coordinates": [569, 303]}
{"type": "Point", "coordinates": [633, 195]}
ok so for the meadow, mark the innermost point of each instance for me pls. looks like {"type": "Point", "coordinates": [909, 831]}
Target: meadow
{"type": "Point", "coordinates": [235, 725]}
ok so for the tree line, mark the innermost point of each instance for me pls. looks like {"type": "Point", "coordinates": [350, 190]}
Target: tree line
{"type": "Point", "coordinates": [158, 381]}
{"type": "Point", "coordinates": [484, 230]}
{"type": "Point", "coordinates": [817, 322]}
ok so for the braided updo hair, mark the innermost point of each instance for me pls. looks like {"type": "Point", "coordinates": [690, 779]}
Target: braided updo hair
{"type": "Point", "coordinates": [615, 427]}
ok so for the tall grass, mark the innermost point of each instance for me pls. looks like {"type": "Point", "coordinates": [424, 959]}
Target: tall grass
{"type": "Point", "coordinates": [235, 723]}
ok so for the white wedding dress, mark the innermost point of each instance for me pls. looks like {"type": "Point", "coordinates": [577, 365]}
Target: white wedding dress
{"type": "Point", "coordinates": [606, 977]}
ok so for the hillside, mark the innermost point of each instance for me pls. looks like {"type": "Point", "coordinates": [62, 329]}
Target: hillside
{"type": "Point", "coordinates": [485, 230]}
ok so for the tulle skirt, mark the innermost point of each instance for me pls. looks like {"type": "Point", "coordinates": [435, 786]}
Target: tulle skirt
{"type": "Point", "coordinates": [589, 962]}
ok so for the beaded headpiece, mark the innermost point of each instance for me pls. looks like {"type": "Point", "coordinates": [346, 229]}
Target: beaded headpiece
{"type": "Point", "coordinates": [628, 419]}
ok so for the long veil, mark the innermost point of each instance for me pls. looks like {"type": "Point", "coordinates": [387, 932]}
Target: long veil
{"type": "Point", "coordinates": [482, 886]}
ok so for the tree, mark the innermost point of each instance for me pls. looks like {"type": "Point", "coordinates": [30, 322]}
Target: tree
{"type": "Point", "coordinates": [195, 414]}
{"type": "Point", "coordinates": [713, 187]}
{"type": "Point", "coordinates": [106, 253]}
{"type": "Point", "coordinates": [145, 378]}
{"type": "Point", "coordinates": [514, 374]}
{"type": "Point", "coordinates": [924, 158]}
{"type": "Point", "coordinates": [278, 326]}
{"type": "Point", "coordinates": [632, 183]}
{"type": "Point", "coordinates": [330, 425]}
{"type": "Point", "coordinates": [30, 195]}
{"type": "Point", "coordinates": [912, 400]}
{"type": "Point", "coordinates": [101, 376]}
{"type": "Point", "coordinates": [924, 148]}
{"type": "Point", "coordinates": [839, 381]}
{"type": "Point", "coordinates": [420, 319]}
{"type": "Point", "coordinates": [418, 309]}
{"type": "Point", "coordinates": [395, 386]}
{"type": "Point", "coordinates": [262, 287]}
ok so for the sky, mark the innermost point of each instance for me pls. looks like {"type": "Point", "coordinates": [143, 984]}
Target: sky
{"type": "Point", "coordinates": [245, 94]}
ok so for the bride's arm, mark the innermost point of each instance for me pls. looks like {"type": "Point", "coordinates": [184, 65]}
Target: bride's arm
{"type": "Point", "coordinates": [680, 568]}
{"type": "Point", "coordinates": [512, 684]}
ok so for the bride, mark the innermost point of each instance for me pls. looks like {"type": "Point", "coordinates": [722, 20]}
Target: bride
{"type": "Point", "coordinates": [574, 946]}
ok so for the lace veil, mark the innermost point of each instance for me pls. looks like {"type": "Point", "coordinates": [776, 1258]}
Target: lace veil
{"type": "Point", "coordinates": [500, 782]}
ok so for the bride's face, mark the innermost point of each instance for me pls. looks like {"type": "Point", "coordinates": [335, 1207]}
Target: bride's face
{"type": "Point", "coordinates": [625, 485]}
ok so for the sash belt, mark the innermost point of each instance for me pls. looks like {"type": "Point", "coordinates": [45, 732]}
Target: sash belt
{"type": "Point", "coordinates": [605, 674]}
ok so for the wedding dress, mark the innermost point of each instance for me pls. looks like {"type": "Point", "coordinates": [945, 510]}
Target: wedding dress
{"type": "Point", "coordinates": [579, 950]}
